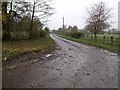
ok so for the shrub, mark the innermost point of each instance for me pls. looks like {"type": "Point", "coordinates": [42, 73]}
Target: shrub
{"type": "Point", "coordinates": [42, 33]}
{"type": "Point", "coordinates": [76, 34]}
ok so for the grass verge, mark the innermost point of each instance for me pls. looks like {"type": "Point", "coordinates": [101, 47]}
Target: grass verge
{"type": "Point", "coordinates": [115, 49]}
{"type": "Point", "coordinates": [13, 48]}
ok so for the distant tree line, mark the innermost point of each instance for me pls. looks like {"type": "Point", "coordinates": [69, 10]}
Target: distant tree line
{"type": "Point", "coordinates": [25, 19]}
{"type": "Point", "coordinates": [72, 31]}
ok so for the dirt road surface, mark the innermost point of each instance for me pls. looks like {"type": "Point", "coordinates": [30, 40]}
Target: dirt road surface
{"type": "Point", "coordinates": [74, 65]}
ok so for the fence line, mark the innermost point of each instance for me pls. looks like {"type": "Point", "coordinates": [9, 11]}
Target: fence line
{"type": "Point", "coordinates": [111, 40]}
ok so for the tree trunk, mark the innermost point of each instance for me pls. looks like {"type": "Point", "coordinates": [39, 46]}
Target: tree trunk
{"type": "Point", "coordinates": [5, 22]}
{"type": "Point", "coordinates": [95, 33]}
{"type": "Point", "coordinates": [31, 26]}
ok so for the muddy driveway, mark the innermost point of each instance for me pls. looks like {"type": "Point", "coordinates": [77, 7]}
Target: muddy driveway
{"type": "Point", "coordinates": [74, 65]}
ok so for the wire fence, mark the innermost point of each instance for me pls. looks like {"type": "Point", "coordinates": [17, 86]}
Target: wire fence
{"type": "Point", "coordinates": [110, 40]}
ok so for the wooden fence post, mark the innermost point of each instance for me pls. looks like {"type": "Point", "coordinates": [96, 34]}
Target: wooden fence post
{"type": "Point", "coordinates": [103, 39]}
{"type": "Point", "coordinates": [111, 40]}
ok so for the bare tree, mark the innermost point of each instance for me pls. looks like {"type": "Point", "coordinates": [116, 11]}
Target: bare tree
{"type": "Point", "coordinates": [12, 11]}
{"type": "Point", "coordinates": [98, 17]}
{"type": "Point", "coordinates": [42, 10]}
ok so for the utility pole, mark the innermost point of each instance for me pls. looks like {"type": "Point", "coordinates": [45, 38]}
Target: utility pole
{"type": "Point", "coordinates": [63, 24]}
{"type": "Point", "coordinates": [119, 16]}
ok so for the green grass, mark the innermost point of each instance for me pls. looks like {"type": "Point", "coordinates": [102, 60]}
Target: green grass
{"type": "Point", "coordinates": [13, 48]}
{"type": "Point", "coordinates": [115, 49]}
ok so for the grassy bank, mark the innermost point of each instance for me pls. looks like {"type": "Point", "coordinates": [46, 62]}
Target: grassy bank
{"type": "Point", "coordinates": [13, 48]}
{"type": "Point", "coordinates": [115, 49]}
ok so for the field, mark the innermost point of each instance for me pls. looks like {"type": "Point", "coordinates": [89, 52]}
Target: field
{"type": "Point", "coordinates": [13, 48]}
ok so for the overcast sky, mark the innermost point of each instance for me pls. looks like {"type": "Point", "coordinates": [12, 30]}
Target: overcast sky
{"type": "Point", "coordinates": [74, 12]}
